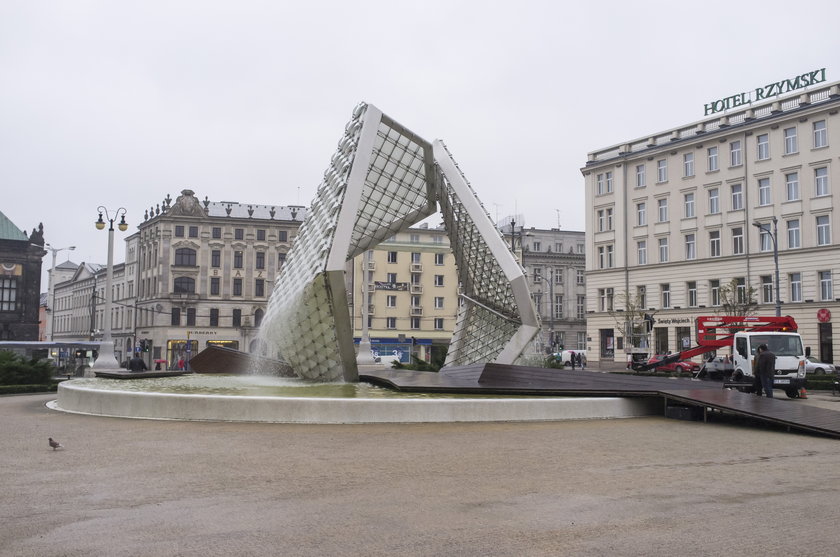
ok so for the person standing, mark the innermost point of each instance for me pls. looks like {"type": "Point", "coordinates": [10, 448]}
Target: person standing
{"type": "Point", "coordinates": [573, 360]}
{"type": "Point", "coordinates": [766, 367]}
{"type": "Point", "coordinates": [137, 364]}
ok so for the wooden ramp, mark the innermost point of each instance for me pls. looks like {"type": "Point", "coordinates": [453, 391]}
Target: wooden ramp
{"type": "Point", "coordinates": [521, 380]}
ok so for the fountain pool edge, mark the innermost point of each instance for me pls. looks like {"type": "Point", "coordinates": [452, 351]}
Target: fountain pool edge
{"type": "Point", "coordinates": [225, 408]}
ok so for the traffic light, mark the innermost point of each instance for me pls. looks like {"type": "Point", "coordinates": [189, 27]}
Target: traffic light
{"type": "Point", "coordinates": [145, 344]}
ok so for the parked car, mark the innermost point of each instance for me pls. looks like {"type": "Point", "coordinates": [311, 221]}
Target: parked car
{"type": "Point", "coordinates": [683, 366]}
{"type": "Point", "coordinates": [719, 367]}
{"type": "Point", "coordinates": [817, 367]}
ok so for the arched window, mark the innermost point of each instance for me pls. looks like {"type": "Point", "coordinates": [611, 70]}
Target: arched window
{"type": "Point", "coordinates": [185, 256]}
{"type": "Point", "coordinates": [258, 317]}
{"type": "Point", "coordinates": [184, 285]}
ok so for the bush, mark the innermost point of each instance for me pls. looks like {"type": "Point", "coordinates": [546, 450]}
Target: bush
{"type": "Point", "coordinates": [22, 389]}
{"type": "Point", "coordinates": [17, 370]}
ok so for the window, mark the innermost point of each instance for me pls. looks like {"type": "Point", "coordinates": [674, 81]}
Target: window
{"type": "Point", "coordinates": [691, 287]}
{"type": "Point", "coordinates": [239, 233]}
{"type": "Point", "coordinates": [662, 170]}
{"type": "Point", "coordinates": [605, 222]}
{"type": "Point", "coordinates": [259, 313]}
{"type": "Point", "coordinates": [438, 280]}
{"type": "Point", "coordinates": [185, 257]}
{"type": "Point", "coordinates": [261, 234]}
{"type": "Point", "coordinates": [215, 284]}
{"type": "Point", "coordinates": [764, 191]}
{"type": "Point", "coordinates": [415, 301]}
{"type": "Point", "coordinates": [791, 186]}
{"type": "Point", "coordinates": [738, 240]}
{"type": "Point", "coordinates": [790, 141]}
{"type": "Point", "coordinates": [537, 246]}
{"type": "Point", "coordinates": [580, 277]}
{"type": "Point", "coordinates": [735, 153]}
{"type": "Point", "coordinates": [737, 191]}
{"type": "Point", "coordinates": [714, 291]}
{"type": "Point", "coordinates": [184, 285]}
{"type": "Point", "coordinates": [193, 231]}
{"type": "Point", "coordinates": [237, 287]}
{"type": "Point", "coordinates": [665, 289]}
{"type": "Point", "coordinates": [641, 296]}
{"type": "Point", "coordinates": [438, 323]}
{"type": "Point", "coordinates": [415, 322]}
{"type": "Point", "coordinates": [690, 248]}
{"type": "Point", "coordinates": [823, 231]}
{"type": "Point", "coordinates": [714, 243]}
{"type": "Point", "coordinates": [260, 260]}
{"type": "Point", "coordinates": [237, 260]}
{"type": "Point", "coordinates": [217, 232]}
{"type": "Point", "coordinates": [605, 257]}
{"type": "Point", "coordinates": [609, 178]}
{"type": "Point", "coordinates": [641, 213]}
{"type": "Point", "coordinates": [712, 158]}
{"type": "Point", "coordinates": [176, 317]}
{"type": "Point", "coordinates": [439, 258]}
{"type": "Point", "coordinates": [640, 175]}
{"type": "Point", "coordinates": [825, 286]}
{"type": "Point", "coordinates": [663, 250]}
{"type": "Point", "coordinates": [581, 307]}
{"type": "Point", "coordinates": [190, 317]}
{"type": "Point", "coordinates": [259, 288]}
{"type": "Point", "coordinates": [688, 202]}
{"type": "Point", "coordinates": [741, 290]}
{"type": "Point", "coordinates": [281, 258]}
{"type": "Point", "coordinates": [392, 257]}
{"type": "Point", "coordinates": [558, 275]}
{"type": "Point", "coordinates": [237, 318]}
{"type": "Point", "coordinates": [179, 231]}
{"type": "Point", "coordinates": [662, 207]}
{"type": "Point", "coordinates": [600, 185]}
{"type": "Point", "coordinates": [538, 274]}
{"type": "Point", "coordinates": [214, 317]}
{"type": "Point", "coordinates": [765, 241]}
{"type": "Point", "coordinates": [763, 145]}
{"type": "Point", "coordinates": [820, 134]}
{"type": "Point", "coordinates": [415, 278]}
{"type": "Point", "coordinates": [793, 237]}
{"type": "Point", "coordinates": [391, 301]}
{"type": "Point", "coordinates": [821, 181]}
{"type": "Point", "coordinates": [688, 165]}
{"type": "Point", "coordinates": [766, 289]}
{"type": "Point", "coordinates": [415, 257]}
{"type": "Point", "coordinates": [795, 280]}
{"type": "Point", "coordinates": [605, 298]}
{"type": "Point", "coordinates": [438, 302]}
{"type": "Point", "coordinates": [390, 322]}
{"type": "Point", "coordinates": [414, 238]}
{"type": "Point", "coordinates": [282, 236]}
{"type": "Point", "coordinates": [641, 251]}
{"type": "Point", "coordinates": [558, 305]}
{"type": "Point", "coordinates": [216, 258]}
{"type": "Point", "coordinates": [391, 278]}
{"type": "Point", "coordinates": [714, 201]}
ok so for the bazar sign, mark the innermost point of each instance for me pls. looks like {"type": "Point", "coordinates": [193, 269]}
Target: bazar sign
{"type": "Point", "coordinates": [767, 91]}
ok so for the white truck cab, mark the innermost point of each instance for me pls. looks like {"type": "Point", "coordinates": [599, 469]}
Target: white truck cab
{"type": "Point", "coordinates": [790, 358]}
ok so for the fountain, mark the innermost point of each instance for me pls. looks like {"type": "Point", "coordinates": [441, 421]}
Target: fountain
{"type": "Point", "coordinates": [382, 179]}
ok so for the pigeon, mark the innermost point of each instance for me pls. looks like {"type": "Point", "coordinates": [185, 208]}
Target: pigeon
{"type": "Point", "coordinates": [55, 444]}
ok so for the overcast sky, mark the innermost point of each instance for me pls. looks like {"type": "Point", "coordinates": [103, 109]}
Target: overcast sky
{"type": "Point", "coordinates": [121, 103]}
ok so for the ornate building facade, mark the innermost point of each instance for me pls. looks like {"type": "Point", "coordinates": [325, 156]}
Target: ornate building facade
{"type": "Point", "coordinates": [20, 281]}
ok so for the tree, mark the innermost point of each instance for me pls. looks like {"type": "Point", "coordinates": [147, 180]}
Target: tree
{"type": "Point", "coordinates": [737, 299]}
{"type": "Point", "coordinates": [631, 322]}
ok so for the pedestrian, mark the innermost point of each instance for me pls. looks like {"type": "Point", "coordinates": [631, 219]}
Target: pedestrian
{"type": "Point", "coordinates": [582, 360]}
{"type": "Point", "coordinates": [766, 368]}
{"type": "Point", "coordinates": [181, 364]}
{"type": "Point", "coordinates": [756, 378]}
{"type": "Point", "coordinates": [137, 364]}
{"type": "Point", "coordinates": [572, 360]}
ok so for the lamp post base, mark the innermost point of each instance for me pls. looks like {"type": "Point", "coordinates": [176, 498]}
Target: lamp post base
{"type": "Point", "coordinates": [365, 355]}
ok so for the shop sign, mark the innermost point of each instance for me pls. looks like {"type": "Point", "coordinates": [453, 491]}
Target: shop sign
{"type": "Point", "coordinates": [390, 285]}
{"type": "Point", "coordinates": [766, 91]}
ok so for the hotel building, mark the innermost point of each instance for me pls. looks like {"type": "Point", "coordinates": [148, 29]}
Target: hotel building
{"type": "Point", "coordinates": [676, 217]}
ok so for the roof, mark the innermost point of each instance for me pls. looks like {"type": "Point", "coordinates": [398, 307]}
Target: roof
{"type": "Point", "coordinates": [8, 230]}
{"type": "Point", "coordinates": [67, 265]}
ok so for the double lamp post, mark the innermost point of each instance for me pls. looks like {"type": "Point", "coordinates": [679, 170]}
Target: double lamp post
{"type": "Point", "coordinates": [107, 360]}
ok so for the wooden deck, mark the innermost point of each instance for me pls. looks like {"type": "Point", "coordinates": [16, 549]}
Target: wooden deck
{"type": "Point", "coordinates": [520, 380]}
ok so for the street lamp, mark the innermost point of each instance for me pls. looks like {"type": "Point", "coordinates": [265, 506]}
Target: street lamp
{"type": "Point", "coordinates": [774, 236]}
{"type": "Point", "coordinates": [54, 251]}
{"type": "Point", "coordinates": [107, 360]}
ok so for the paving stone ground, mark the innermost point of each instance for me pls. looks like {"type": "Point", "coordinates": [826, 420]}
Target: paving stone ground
{"type": "Point", "coordinates": [645, 486]}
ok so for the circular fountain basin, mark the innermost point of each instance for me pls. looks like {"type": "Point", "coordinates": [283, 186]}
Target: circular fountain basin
{"type": "Point", "coordinates": [243, 398]}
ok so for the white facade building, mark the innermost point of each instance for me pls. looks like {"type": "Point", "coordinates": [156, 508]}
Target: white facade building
{"type": "Point", "coordinates": [674, 217]}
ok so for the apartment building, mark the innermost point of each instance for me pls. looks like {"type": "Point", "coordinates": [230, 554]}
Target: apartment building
{"type": "Point", "coordinates": [678, 218]}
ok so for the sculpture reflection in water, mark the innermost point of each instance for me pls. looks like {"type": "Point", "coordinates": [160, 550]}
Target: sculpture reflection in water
{"type": "Point", "coordinates": [382, 179]}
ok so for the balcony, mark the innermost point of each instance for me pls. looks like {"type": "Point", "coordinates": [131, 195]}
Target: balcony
{"type": "Point", "coordinates": [416, 310]}
{"type": "Point", "coordinates": [371, 266]}
{"type": "Point", "coordinates": [416, 288]}
{"type": "Point", "coordinates": [416, 267]}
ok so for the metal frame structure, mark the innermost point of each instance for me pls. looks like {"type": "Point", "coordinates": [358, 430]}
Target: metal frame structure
{"type": "Point", "coordinates": [383, 179]}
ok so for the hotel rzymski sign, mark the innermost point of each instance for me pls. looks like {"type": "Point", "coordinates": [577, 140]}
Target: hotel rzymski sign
{"type": "Point", "coordinates": [770, 90]}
